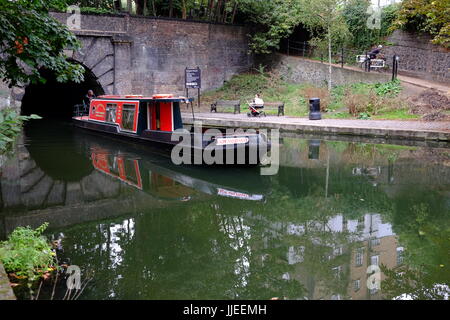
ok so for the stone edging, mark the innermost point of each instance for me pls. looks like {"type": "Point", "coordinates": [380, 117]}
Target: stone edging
{"type": "Point", "coordinates": [6, 292]}
{"type": "Point", "coordinates": [408, 134]}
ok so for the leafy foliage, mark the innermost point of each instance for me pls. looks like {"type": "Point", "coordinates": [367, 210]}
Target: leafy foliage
{"type": "Point", "coordinates": [10, 126]}
{"type": "Point", "coordinates": [392, 88]}
{"type": "Point", "coordinates": [431, 16]}
{"type": "Point", "coordinates": [32, 39]}
{"type": "Point", "coordinates": [27, 253]}
{"type": "Point", "coordinates": [270, 21]}
{"type": "Point", "coordinates": [325, 19]}
{"type": "Point", "coordinates": [274, 20]}
{"type": "Point", "coordinates": [355, 14]}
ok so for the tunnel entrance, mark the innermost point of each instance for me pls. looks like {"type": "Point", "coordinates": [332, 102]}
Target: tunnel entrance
{"type": "Point", "coordinates": [55, 100]}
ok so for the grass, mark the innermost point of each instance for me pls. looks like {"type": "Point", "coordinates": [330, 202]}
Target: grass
{"type": "Point", "coordinates": [244, 87]}
{"type": "Point", "coordinates": [360, 100]}
{"type": "Point", "coordinates": [400, 114]}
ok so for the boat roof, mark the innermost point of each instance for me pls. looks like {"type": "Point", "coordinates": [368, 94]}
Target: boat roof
{"type": "Point", "coordinates": [156, 97]}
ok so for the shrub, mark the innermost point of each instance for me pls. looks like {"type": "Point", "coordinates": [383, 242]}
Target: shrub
{"type": "Point", "coordinates": [314, 92]}
{"type": "Point", "coordinates": [391, 89]}
{"type": "Point", "coordinates": [364, 105]}
{"type": "Point", "coordinates": [27, 253]}
{"type": "Point", "coordinates": [356, 102]}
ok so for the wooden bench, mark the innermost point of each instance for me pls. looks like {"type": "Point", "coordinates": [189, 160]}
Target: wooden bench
{"type": "Point", "coordinates": [227, 103]}
{"type": "Point", "coordinates": [278, 105]}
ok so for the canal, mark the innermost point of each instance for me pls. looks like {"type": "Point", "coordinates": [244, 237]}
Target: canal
{"type": "Point", "coordinates": [140, 227]}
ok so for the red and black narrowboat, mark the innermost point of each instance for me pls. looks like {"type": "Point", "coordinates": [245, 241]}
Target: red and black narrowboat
{"type": "Point", "coordinates": [155, 119]}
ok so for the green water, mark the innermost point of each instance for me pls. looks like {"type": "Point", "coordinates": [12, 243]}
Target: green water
{"type": "Point", "coordinates": [142, 228]}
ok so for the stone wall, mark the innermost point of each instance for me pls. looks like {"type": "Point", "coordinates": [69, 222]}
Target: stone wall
{"type": "Point", "coordinates": [149, 55]}
{"type": "Point", "coordinates": [299, 70]}
{"type": "Point", "coordinates": [419, 57]}
{"type": "Point", "coordinates": [10, 98]}
{"type": "Point", "coordinates": [6, 292]}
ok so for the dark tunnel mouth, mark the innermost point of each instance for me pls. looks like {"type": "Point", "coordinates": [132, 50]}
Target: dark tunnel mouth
{"type": "Point", "coordinates": [55, 100]}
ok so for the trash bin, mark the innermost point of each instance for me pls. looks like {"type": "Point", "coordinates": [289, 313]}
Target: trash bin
{"type": "Point", "coordinates": [314, 109]}
{"type": "Point", "coordinates": [314, 149]}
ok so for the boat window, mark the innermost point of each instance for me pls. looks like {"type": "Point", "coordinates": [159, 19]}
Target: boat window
{"type": "Point", "coordinates": [111, 110]}
{"type": "Point", "coordinates": [128, 116]}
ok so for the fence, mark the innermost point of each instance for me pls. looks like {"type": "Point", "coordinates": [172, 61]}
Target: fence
{"type": "Point", "coordinates": [304, 49]}
{"type": "Point", "coordinates": [342, 56]}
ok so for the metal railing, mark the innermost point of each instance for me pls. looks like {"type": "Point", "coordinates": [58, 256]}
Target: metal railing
{"type": "Point", "coordinates": [80, 110]}
{"type": "Point", "coordinates": [343, 56]}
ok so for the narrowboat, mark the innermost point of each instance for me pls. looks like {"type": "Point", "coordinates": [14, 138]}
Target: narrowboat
{"type": "Point", "coordinates": [157, 120]}
{"type": "Point", "coordinates": [162, 182]}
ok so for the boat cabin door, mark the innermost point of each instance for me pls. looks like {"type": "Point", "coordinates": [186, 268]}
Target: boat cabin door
{"type": "Point", "coordinates": [160, 116]}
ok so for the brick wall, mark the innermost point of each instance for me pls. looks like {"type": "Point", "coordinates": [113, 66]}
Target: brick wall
{"type": "Point", "coordinates": [157, 51]}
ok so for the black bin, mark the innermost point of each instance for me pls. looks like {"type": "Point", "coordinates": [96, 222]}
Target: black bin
{"type": "Point", "coordinates": [314, 109]}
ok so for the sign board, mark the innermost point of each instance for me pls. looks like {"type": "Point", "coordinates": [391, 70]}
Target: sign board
{"type": "Point", "coordinates": [193, 78]}
{"type": "Point", "coordinates": [237, 140]}
{"type": "Point", "coordinates": [377, 63]}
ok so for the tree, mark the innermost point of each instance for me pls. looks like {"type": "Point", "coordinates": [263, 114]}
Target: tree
{"type": "Point", "coordinates": [431, 16]}
{"type": "Point", "coordinates": [325, 18]}
{"type": "Point", "coordinates": [273, 20]}
{"type": "Point", "coordinates": [31, 39]}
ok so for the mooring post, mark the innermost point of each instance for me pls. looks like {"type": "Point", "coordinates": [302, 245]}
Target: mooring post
{"type": "Point", "coordinates": [394, 67]}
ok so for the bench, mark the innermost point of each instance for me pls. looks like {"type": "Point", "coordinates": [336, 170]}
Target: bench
{"type": "Point", "coordinates": [278, 105]}
{"type": "Point", "coordinates": [227, 103]}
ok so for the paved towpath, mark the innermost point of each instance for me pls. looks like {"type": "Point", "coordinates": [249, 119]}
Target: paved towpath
{"type": "Point", "coordinates": [403, 129]}
{"type": "Point", "coordinates": [425, 83]}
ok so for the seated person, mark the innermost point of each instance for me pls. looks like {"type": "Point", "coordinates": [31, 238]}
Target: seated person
{"type": "Point", "coordinates": [258, 102]}
{"type": "Point", "coordinates": [373, 54]}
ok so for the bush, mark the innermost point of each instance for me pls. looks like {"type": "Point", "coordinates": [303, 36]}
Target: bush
{"type": "Point", "coordinates": [27, 253]}
{"type": "Point", "coordinates": [10, 126]}
{"type": "Point", "coordinates": [314, 92]}
{"type": "Point", "coordinates": [365, 105]}
{"type": "Point", "coordinates": [391, 89]}
{"type": "Point", "coordinates": [93, 10]}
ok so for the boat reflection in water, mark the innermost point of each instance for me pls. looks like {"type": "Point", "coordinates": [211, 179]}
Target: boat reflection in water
{"type": "Point", "coordinates": [155, 174]}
